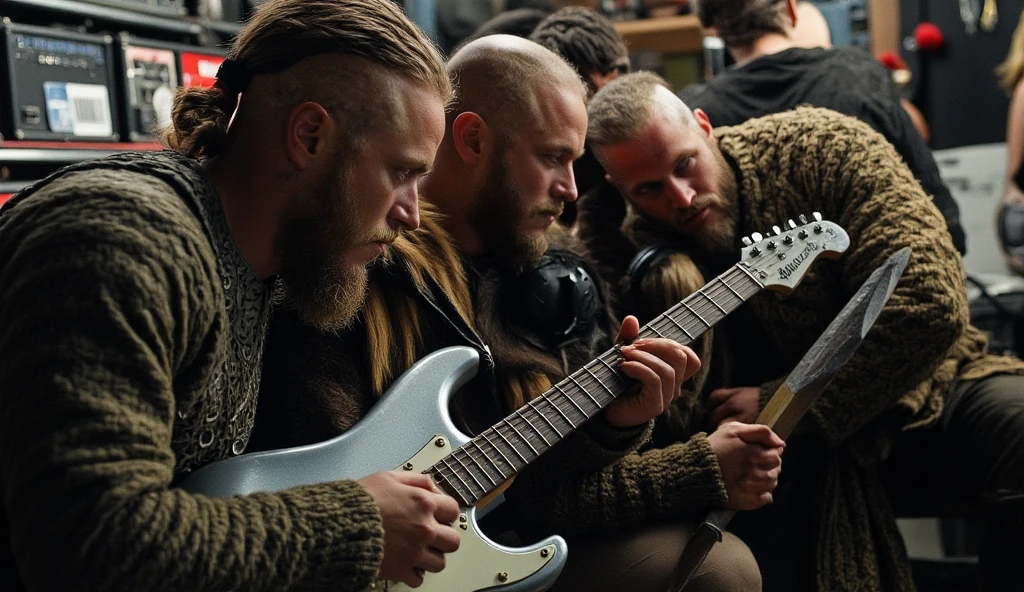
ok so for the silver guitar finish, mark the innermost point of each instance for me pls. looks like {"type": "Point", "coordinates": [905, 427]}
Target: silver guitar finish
{"type": "Point", "coordinates": [408, 429]}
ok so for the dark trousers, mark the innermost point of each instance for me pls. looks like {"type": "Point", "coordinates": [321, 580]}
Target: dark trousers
{"type": "Point", "coordinates": [971, 461]}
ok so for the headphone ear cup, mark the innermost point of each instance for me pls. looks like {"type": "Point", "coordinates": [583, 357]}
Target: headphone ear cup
{"type": "Point", "coordinates": [645, 259]}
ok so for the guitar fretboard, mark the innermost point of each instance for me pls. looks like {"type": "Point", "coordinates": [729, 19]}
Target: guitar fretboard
{"type": "Point", "coordinates": [478, 467]}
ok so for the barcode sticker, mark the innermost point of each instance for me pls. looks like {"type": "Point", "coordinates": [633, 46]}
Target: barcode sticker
{"type": "Point", "coordinates": [90, 109]}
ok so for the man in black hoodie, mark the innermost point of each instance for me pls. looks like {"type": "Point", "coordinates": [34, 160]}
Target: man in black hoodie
{"type": "Point", "coordinates": [774, 73]}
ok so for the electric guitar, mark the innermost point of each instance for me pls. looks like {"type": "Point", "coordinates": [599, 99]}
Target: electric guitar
{"type": "Point", "coordinates": [410, 428]}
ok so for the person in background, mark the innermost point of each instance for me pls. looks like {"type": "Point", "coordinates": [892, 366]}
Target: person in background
{"type": "Point", "coordinates": [519, 22]}
{"type": "Point", "coordinates": [460, 21]}
{"type": "Point", "coordinates": [920, 420]}
{"type": "Point", "coordinates": [135, 301]}
{"type": "Point", "coordinates": [1010, 212]}
{"type": "Point", "coordinates": [489, 270]}
{"type": "Point", "coordinates": [773, 73]}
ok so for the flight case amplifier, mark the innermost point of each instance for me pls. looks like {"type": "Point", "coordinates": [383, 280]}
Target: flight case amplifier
{"type": "Point", "coordinates": [172, 8]}
{"type": "Point", "coordinates": [150, 77]}
{"type": "Point", "coordinates": [61, 85]}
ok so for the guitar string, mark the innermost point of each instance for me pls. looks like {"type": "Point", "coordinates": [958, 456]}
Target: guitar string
{"type": "Point", "coordinates": [710, 293]}
{"type": "Point", "coordinates": [706, 301]}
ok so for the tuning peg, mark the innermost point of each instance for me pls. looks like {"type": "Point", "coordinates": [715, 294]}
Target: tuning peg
{"type": "Point", "coordinates": [790, 224]}
{"type": "Point", "coordinates": [803, 219]}
{"type": "Point", "coordinates": [817, 216]}
{"type": "Point", "coordinates": [757, 237]}
{"type": "Point", "coordinates": [747, 242]}
{"type": "Point", "coordinates": [776, 230]}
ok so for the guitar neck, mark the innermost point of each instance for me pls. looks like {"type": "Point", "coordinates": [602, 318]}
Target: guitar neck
{"type": "Point", "coordinates": [478, 467]}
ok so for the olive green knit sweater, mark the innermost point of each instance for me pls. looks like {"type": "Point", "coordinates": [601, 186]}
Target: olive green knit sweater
{"type": "Point", "coordinates": [810, 160]}
{"type": "Point", "coordinates": [114, 317]}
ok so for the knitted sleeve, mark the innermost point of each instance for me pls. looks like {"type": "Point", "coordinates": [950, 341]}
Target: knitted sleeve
{"type": "Point", "coordinates": [108, 309]}
{"type": "Point", "coordinates": [839, 166]}
{"type": "Point", "coordinates": [894, 123]}
{"type": "Point", "coordinates": [658, 483]}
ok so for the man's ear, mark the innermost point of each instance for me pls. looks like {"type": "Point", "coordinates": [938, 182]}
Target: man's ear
{"type": "Point", "coordinates": [792, 12]}
{"type": "Point", "coordinates": [472, 137]}
{"type": "Point", "coordinates": [704, 124]}
{"type": "Point", "coordinates": [310, 130]}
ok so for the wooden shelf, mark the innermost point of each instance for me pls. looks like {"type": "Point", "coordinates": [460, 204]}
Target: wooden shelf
{"type": "Point", "coordinates": [666, 35]}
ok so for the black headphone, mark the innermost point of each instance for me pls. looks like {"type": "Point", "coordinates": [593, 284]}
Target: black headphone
{"type": "Point", "coordinates": [558, 300]}
{"type": "Point", "coordinates": [645, 259]}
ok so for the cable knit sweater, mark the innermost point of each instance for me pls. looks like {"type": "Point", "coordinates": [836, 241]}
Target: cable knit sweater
{"type": "Point", "coordinates": [810, 160]}
{"type": "Point", "coordinates": [123, 368]}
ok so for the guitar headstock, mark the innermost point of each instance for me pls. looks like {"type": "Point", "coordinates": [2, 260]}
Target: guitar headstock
{"type": "Point", "coordinates": [780, 259]}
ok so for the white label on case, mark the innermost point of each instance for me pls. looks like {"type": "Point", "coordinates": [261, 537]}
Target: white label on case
{"type": "Point", "coordinates": [89, 109]}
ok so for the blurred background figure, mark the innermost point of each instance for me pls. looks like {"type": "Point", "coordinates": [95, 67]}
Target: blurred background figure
{"type": "Point", "coordinates": [1010, 212]}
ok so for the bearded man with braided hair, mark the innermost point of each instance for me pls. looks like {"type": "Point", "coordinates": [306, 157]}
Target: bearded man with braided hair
{"type": "Point", "coordinates": [135, 300]}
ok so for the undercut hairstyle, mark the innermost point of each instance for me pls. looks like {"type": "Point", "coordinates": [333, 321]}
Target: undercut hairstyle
{"type": "Point", "coordinates": [621, 110]}
{"type": "Point", "coordinates": [583, 37]}
{"type": "Point", "coordinates": [280, 34]}
{"type": "Point", "coordinates": [499, 82]}
{"type": "Point", "coordinates": [741, 22]}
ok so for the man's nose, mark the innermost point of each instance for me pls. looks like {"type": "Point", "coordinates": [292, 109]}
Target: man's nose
{"type": "Point", "coordinates": [681, 194]}
{"type": "Point", "coordinates": [405, 213]}
{"type": "Point", "coordinates": [565, 186]}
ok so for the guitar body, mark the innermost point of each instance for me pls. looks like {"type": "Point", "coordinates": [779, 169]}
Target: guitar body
{"type": "Point", "coordinates": [408, 429]}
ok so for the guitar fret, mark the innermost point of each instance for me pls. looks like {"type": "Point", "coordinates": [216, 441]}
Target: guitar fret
{"type": "Point", "coordinates": [585, 392]}
{"type": "Point", "coordinates": [545, 417]}
{"type": "Point", "coordinates": [611, 369]}
{"type": "Point", "coordinates": [681, 328]}
{"type": "Point", "coordinates": [744, 269]}
{"type": "Point", "coordinates": [574, 404]}
{"type": "Point", "coordinates": [521, 436]}
{"type": "Point", "coordinates": [478, 465]}
{"type": "Point", "coordinates": [468, 471]}
{"type": "Point", "coordinates": [653, 328]}
{"type": "Point", "coordinates": [689, 308]}
{"type": "Point", "coordinates": [510, 445]}
{"type": "Point", "coordinates": [712, 301]}
{"type": "Point", "coordinates": [598, 379]}
{"type": "Point", "coordinates": [533, 427]}
{"type": "Point", "coordinates": [726, 284]}
{"type": "Point", "coordinates": [484, 452]}
{"type": "Point", "coordinates": [562, 413]}
{"type": "Point", "coordinates": [466, 486]}
{"type": "Point", "coordinates": [498, 450]}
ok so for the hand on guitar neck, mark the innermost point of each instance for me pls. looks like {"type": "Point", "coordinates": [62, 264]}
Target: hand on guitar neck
{"type": "Point", "coordinates": [661, 366]}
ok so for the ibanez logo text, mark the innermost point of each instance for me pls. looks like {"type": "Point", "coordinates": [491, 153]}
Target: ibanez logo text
{"type": "Point", "coordinates": [790, 268]}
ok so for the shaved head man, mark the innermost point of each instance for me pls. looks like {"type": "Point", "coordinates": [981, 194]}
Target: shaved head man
{"type": "Point", "coordinates": [516, 127]}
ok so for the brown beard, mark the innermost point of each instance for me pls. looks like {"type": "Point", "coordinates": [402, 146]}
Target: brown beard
{"type": "Point", "coordinates": [715, 242]}
{"type": "Point", "coordinates": [324, 291]}
{"type": "Point", "coordinates": [497, 215]}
